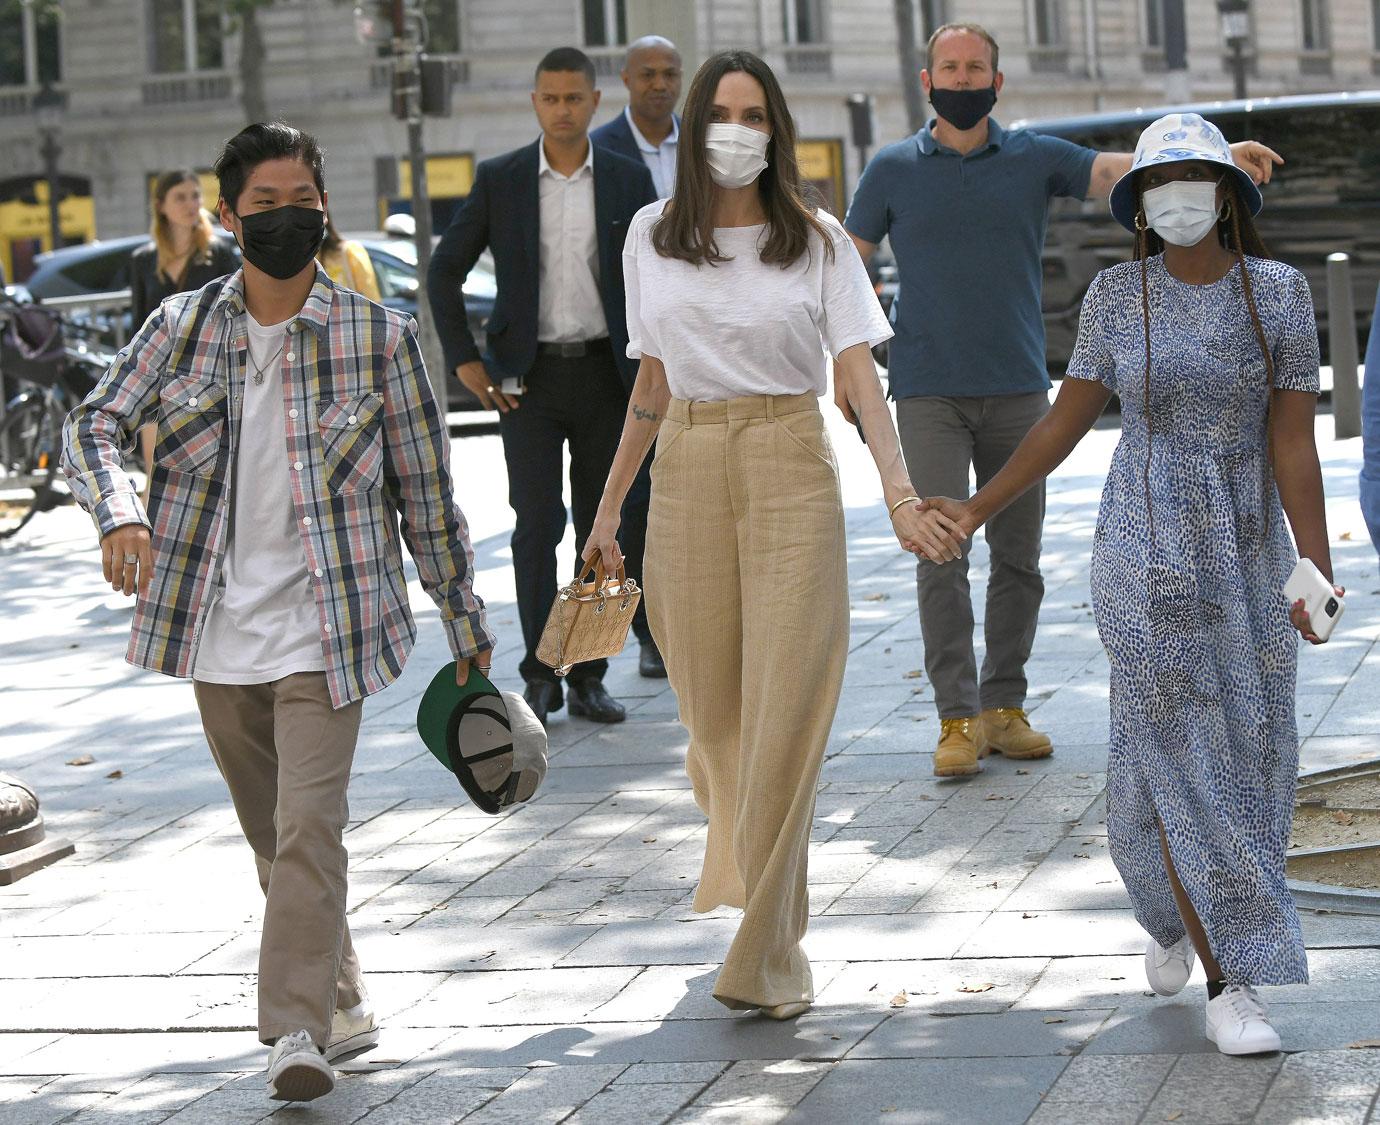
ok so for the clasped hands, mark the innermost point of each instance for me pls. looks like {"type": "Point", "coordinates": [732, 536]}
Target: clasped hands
{"type": "Point", "coordinates": [934, 528]}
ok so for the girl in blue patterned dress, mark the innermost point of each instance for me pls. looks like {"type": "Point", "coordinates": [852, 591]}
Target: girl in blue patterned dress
{"type": "Point", "coordinates": [1213, 350]}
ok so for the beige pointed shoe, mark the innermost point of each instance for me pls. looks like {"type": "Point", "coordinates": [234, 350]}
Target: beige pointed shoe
{"type": "Point", "coordinates": [1006, 731]}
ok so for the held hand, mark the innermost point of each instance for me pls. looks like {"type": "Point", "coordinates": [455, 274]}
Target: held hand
{"type": "Point", "coordinates": [1256, 159]}
{"type": "Point", "coordinates": [926, 531]}
{"type": "Point", "coordinates": [1298, 617]}
{"type": "Point", "coordinates": [482, 663]}
{"type": "Point", "coordinates": [127, 559]}
{"type": "Point", "coordinates": [603, 538]}
{"type": "Point", "coordinates": [956, 510]}
{"type": "Point", "coordinates": [476, 380]}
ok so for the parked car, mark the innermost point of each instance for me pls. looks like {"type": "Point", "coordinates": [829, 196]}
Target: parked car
{"type": "Point", "coordinates": [103, 267]}
{"type": "Point", "coordinates": [1325, 198]}
{"type": "Point", "coordinates": [395, 266]}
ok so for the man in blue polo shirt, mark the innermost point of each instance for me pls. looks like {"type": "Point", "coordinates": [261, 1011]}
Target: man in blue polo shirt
{"type": "Point", "coordinates": [965, 204]}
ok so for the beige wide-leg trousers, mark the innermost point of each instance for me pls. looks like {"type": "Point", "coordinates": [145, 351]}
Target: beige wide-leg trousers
{"type": "Point", "coordinates": [747, 592]}
{"type": "Point", "coordinates": [285, 754]}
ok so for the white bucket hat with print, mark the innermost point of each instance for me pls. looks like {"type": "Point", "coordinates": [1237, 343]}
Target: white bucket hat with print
{"type": "Point", "coordinates": [1172, 139]}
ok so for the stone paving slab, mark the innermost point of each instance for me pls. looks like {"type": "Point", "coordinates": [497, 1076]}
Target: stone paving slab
{"type": "Point", "coordinates": [974, 955]}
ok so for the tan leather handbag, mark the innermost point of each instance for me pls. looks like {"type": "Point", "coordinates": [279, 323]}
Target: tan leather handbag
{"type": "Point", "coordinates": [589, 619]}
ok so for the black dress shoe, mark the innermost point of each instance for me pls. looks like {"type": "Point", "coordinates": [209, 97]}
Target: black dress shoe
{"type": "Point", "coordinates": [589, 700]}
{"type": "Point", "coordinates": [543, 697]}
{"type": "Point", "coordinates": [649, 663]}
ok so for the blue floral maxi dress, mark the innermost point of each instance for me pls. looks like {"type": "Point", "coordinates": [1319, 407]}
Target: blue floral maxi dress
{"type": "Point", "coordinates": [1193, 615]}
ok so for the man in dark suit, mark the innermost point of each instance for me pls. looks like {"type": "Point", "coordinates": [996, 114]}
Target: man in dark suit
{"type": "Point", "coordinates": [647, 130]}
{"type": "Point", "coordinates": [554, 215]}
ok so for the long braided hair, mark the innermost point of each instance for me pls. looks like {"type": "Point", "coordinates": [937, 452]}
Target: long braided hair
{"type": "Point", "coordinates": [1237, 232]}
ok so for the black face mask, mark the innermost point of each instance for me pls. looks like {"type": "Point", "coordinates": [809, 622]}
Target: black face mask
{"type": "Point", "coordinates": [283, 241]}
{"type": "Point", "coordinates": [963, 108]}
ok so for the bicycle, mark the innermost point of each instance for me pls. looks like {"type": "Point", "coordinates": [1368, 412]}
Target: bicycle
{"type": "Point", "coordinates": [48, 361]}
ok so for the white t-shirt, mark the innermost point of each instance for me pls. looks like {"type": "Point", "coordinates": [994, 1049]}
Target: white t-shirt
{"type": "Point", "coordinates": [743, 327]}
{"type": "Point", "coordinates": [262, 624]}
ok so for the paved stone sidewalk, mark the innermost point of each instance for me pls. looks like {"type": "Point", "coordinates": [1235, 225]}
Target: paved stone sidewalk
{"type": "Point", "coordinates": [975, 957]}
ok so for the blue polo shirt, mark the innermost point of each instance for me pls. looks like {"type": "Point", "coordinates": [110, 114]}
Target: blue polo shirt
{"type": "Point", "coordinates": [967, 233]}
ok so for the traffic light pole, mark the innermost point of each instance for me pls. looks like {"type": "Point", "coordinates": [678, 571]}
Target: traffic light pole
{"type": "Point", "coordinates": [407, 64]}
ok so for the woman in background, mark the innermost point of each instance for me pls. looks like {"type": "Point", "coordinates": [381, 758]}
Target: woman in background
{"type": "Point", "coordinates": [347, 263]}
{"type": "Point", "coordinates": [182, 254]}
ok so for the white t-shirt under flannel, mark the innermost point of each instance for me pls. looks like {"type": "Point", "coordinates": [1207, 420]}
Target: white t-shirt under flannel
{"type": "Point", "coordinates": [743, 327]}
{"type": "Point", "coordinates": [263, 624]}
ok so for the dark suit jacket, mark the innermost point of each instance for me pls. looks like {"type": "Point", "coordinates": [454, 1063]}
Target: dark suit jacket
{"type": "Point", "coordinates": [503, 213]}
{"type": "Point", "coordinates": [616, 136]}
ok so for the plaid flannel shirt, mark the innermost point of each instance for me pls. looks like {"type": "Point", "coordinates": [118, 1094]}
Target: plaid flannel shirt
{"type": "Point", "coordinates": [366, 444]}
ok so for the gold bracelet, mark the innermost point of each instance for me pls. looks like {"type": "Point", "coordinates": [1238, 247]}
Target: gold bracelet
{"type": "Point", "coordinates": [903, 500]}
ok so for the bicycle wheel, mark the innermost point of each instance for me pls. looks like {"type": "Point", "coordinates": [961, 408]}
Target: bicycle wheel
{"type": "Point", "coordinates": [28, 462]}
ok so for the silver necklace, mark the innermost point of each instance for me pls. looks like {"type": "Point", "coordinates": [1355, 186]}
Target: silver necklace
{"type": "Point", "coordinates": [260, 372]}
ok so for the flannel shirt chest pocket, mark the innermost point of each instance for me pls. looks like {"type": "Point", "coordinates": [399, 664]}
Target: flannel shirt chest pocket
{"type": "Point", "coordinates": [191, 424]}
{"type": "Point", "coordinates": [351, 432]}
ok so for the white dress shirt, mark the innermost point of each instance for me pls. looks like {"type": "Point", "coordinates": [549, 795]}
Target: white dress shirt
{"type": "Point", "coordinates": [569, 306]}
{"type": "Point", "coordinates": [660, 159]}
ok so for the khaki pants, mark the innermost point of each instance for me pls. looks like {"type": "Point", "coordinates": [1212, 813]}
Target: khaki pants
{"type": "Point", "coordinates": [747, 590]}
{"type": "Point", "coordinates": [285, 755]}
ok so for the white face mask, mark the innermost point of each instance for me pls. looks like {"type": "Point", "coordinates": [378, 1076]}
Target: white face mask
{"type": "Point", "coordinates": [737, 155]}
{"type": "Point", "coordinates": [1181, 212]}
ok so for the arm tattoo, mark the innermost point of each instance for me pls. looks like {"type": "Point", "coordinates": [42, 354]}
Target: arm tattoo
{"type": "Point", "coordinates": [645, 415]}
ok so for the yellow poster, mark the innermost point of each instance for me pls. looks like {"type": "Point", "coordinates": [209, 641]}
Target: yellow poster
{"type": "Point", "coordinates": [821, 167]}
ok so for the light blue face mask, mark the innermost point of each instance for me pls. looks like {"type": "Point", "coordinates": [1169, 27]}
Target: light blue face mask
{"type": "Point", "coordinates": [1182, 212]}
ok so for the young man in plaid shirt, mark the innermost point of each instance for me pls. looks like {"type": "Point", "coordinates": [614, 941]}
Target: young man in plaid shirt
{"type": "Point", "coordinates": [296, 431]}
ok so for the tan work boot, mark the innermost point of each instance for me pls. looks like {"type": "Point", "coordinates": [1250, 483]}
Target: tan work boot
{"type": "Point", "coordinates": [957, 753]}
{"type": "Point", "coordinates": [1006, 731]}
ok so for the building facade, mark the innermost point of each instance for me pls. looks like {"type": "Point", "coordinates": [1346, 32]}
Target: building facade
{"type": "Point", "coordinates": [151, 84]}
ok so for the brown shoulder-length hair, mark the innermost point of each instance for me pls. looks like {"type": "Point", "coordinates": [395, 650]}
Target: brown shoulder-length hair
{"type": "Point", "coordinates": [161, 231]}
{"type": "Point", "coordinates": [686, 228]}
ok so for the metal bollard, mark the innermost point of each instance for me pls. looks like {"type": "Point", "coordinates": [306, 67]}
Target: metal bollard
{"type": "Point", "coordinates": [1341, 333]}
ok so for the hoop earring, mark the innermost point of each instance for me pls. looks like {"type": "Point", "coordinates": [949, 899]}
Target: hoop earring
{"type": "Point", "coordinates": [1140, 222]}
{"type": "Point", "coordinates": [1226, 211]}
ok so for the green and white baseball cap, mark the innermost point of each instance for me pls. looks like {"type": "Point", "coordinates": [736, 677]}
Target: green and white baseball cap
{"type": "Point", "coordinates": [489, 739]}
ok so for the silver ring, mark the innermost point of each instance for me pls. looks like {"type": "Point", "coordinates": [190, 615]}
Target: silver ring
{"type": "Point", "coordinates": [492, 390]}
{"type": "Point", "coordinates": [131, 560]}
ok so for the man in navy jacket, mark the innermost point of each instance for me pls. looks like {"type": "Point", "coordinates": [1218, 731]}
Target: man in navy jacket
{"type": "Point", "coordinates": [649, 129]}
{"type": "Point", "coordinates": [554, 215]}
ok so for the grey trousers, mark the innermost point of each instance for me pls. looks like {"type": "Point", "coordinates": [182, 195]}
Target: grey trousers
{"type": "Point", "coordinates": [940, 438]}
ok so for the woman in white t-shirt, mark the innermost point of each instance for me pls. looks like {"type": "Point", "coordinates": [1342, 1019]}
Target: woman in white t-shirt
{"type": "Point", "coordinates": [735, 290]}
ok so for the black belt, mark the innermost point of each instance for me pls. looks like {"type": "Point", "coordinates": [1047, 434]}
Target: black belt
{"type": "Point", "coordinates": [573, 349]}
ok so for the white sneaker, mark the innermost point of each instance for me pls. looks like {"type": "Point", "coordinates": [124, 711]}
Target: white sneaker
{"type": "Point", "coordinates": [297, 1071]}
{"type": "Point", "coordinates": [1168, 970]}
{"type": "Point", "coordinates": [352, 1029]}
{"type": "Point", "coordinates": [1237, 1023]}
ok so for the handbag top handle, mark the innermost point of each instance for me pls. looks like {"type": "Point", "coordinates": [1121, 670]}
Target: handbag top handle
{"type": "Point", "coordinates": [594, 565]}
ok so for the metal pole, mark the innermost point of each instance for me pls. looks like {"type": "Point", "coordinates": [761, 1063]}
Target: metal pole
{"type": "Point", "coordinates": [407, 60]}
{"type": "Point", "coordinates": [1341, 336]}
{"type": "Point", "coordinates": [1238, 69]}
{"type": "Point", "coordinates": [50, 151]}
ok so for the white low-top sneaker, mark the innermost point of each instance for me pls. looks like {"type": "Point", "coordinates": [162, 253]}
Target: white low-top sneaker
{"type": "Point", "coordinates": [1168, 970]}
{"type": "Point", "coordinates": [297, 1070]}
{"type": "Point", "coordinates": [352, 1029]}
{"type": "Point", "coordinates": [1237, 1023]}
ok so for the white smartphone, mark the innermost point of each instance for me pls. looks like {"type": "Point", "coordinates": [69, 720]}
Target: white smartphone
{"type": "Point", "coordinates": [511, 385]}
{"type": "Point", "coordinates": [1319, 598]}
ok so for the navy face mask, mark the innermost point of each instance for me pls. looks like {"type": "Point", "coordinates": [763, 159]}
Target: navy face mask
{"type": "Point", "coordinates": [963, 108]}
{"type": "Point", "coordinates": [282, 242]}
